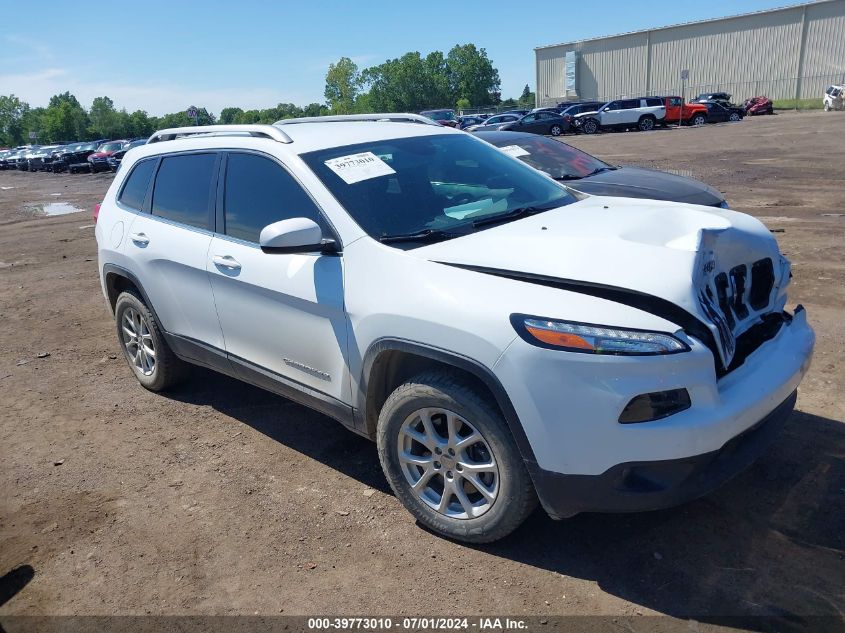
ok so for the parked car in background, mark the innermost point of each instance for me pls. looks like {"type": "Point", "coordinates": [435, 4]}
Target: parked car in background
{"type": "Point", "coordinates": [718, 112]}
{"type": "Point", "coordinates": [76, 154]}
{"type": "Point", "coordinates": [23, 158]}
{"type": "Point", "coordinates": [686, 113]}
{"type": "Point", "coordinates": [758, 105]}
{"type": "Point", "coordinates": [834, 98]}
{"type": "Point", "coordinates": [115, 159]}
{"type": "Point", "coordinates": [10, 160]}
{"type": "Point", "coordinates": [98, 161]}
{"type": "Point", "coordinates": [587, 174]}
{"type": "Point", "coordinates": [443, 117]}
{"type": "Point", "coordinates": [623, 114]}
{"type": "Point", "coordinates": [718, 97]}
{"type": "Point", "coordinates": [542, 122]}
{"type": "Point", "coordinates": [577, 108]}
{"type": "Point", "coordinates": [495, 122]}
{"type": "Point", "coordinates": [464, 121]}
{"type": "Point", "coordinates": [41, 159]}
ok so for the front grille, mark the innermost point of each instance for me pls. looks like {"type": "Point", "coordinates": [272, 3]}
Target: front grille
{"type": "Point", "coordinates": [734, 298]}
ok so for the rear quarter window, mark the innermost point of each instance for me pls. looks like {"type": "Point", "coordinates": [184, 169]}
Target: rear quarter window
{"type": "Point", "coordinates": [134, 190]}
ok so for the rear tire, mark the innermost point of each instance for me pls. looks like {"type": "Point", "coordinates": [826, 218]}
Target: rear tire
{"type": "Point", "coordinates": [556, 130]}
{"type": "Point", "coordinates": [646, 124]}
{"type": "Point", "coordinates": [440, 476]}
{"type": "Point", "coordinates": [146, 351]}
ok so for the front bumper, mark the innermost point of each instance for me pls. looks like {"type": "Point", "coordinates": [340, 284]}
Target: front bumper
{"type": "Point", "coordinates": [641, 486]}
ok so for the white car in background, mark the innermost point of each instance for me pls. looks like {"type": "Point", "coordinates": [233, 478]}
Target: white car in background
{"type": "Point", "coordinates": [641, 113]}
{"type": "Point", "coordinates": [501, 337]}
{"type": "Point", "coordinates": [834, 98]}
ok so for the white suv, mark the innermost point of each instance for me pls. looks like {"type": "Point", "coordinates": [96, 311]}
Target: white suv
{"type": "Point", "coordinates": [503, 338]}
{"type": "Point", "coordinates": [642, 114]}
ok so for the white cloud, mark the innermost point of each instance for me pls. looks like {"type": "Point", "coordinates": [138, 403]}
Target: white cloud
{"type": "Point", "coordinates": [156, 98]}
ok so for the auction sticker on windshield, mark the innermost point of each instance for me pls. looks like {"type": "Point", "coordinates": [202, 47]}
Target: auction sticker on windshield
{"type": "Point", "coordinates": [514, 150]}
{"type": "Point", "coordinates": [358, 167]}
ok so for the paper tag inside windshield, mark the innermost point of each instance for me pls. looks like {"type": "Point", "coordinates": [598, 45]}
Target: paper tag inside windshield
{"type": "Point", "coordinates": [514, 150]}
{"type": "Point", "coordinates": [358, 167]}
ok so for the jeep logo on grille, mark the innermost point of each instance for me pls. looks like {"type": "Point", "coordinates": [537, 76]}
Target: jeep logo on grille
{"type": "Point", "coordinates": [709, 267]}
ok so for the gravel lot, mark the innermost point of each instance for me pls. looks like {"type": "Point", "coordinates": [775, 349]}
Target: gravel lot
{"type": "Point", "coordinates": [219, 498]}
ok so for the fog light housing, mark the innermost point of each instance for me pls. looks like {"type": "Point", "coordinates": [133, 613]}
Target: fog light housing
{"type": "Point", "coordinates": [648, 407]}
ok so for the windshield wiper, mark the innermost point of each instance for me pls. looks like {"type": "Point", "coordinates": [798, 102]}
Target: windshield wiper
{"type": "Point", "coordinates": [568, 177]}
{"type": "Point", "coordinates": [599, 170]}
{"type": "Point", "coordinates": [426, 235]}
{"type": "Point", "coordinates": [513, 214]}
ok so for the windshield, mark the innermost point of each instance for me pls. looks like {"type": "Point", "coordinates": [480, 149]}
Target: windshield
{"type": "Point", "coordinates": [110, 147]}
{"type": "Point", "coordinates": [557, 159]}
{"type": "Point", "coordinates": [430, 183]}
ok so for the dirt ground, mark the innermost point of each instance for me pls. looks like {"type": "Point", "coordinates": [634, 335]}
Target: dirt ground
{"type": "Point", "coordinates": [219, 498]}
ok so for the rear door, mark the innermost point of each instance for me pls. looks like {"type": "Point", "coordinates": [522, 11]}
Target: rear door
{"type": "Point", "coordinates": [282, 314]}
{"type": "Point", "coordinates": [168, 246]}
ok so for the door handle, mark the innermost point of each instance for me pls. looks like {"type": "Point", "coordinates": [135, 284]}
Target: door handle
{"type": "Point", "coordinates": [140, 239]}
{"type": "Point", "coordinates": [226, 261]}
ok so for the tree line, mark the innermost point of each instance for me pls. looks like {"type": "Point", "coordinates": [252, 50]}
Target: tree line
{"type": "Point", "coordinates": [463, 78]}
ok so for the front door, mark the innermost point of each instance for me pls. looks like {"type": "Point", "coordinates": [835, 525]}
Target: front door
{"type": "Point", "coordinates": [282, 315]}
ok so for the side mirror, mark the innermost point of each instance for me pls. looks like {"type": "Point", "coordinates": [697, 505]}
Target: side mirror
{"type": "Point", "coordinates": [296, 235]}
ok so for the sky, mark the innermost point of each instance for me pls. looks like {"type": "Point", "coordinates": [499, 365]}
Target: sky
{"type": "Point", "coordinates": [164, 56]}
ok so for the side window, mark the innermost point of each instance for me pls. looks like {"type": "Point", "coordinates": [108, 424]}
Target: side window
{"type": "Point", "coordinates": [259, 192]}
{"type": "Point", "coordinates": [630, 104]}
{"type": "Point", "coordinates": [135, 188]}
{"type": "Point", "coordinates": [613, 106]}
{"type": "Point", "coordinates": [654, 102]}
{"type": "Point", "coordinates": [529, 118]}
{"type": "Point", "coordinates": [183, 189]}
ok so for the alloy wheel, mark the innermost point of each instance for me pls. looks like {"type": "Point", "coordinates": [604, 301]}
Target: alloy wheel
{"type": "Point", "coordinates": [138, 341]}
{"type": "Point", "coordinates": [447, 463]}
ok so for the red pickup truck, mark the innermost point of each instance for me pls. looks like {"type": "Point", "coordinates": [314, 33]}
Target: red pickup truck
{"type": "Point", "coordinates": [687, 113]}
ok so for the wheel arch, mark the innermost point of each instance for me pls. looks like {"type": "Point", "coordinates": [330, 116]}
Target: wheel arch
{"type": "Point", "coordinates": [117, 279]}
{"type": "Point", "coordinates": [389, 362]}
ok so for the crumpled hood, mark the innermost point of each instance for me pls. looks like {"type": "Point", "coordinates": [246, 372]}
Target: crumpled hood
{"type": "Point", "coordinates": [100, 154]}
{"type": "Point", "coordinates": [637, 182]}
{"type": "Point", "coordinates": [666, 250]}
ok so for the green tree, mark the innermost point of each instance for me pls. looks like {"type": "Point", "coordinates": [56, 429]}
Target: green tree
{"type": "Point", "coordinates": [463, 103]}
{"type": "Point", "coordinates": [140, 124]}
{"type": "Point", "coordinates": [230, 115]}
{"type": "Point", "coordinates": [342, 84]}
{"type": "Point", "coordinates": [526, 99]}
{"type": "Point", "coordinates": [105, 120]}
{"type": "Point", "coordinates": [64, 119]}
{"type": "Point", "coordinates": [472, 75]}
{"type": "Point", "coordinates": [12, 111]}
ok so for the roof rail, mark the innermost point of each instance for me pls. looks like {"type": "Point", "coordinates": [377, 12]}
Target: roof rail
{"type": "Point", "coordinates": [396, 117]}
{"type": "Point", "coordinates": [262, 131]}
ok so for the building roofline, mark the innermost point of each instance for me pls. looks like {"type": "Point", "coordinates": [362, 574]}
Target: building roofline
{"type": "Point", "coordinates": [672, 26]}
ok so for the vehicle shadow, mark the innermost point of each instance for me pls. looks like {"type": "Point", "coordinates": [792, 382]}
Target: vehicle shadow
{"type": "Point", "coordinates": [13, 581]}
{"type": "Point", "coordinates": [770, 543]}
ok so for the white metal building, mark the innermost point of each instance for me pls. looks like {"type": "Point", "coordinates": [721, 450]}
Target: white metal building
{"type": "Point", "coordinates": [793, 52]}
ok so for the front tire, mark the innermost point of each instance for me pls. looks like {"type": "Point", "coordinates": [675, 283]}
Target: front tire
{"type": "Point", "coordinates": [699, 119]}
{"type": "Point", "coordinates": [152, 361]}
{"type": "Point", "coordinates": [590, 126]}
{"type": "Point", "coordinates": [735, 116]}
{"type": "Point", "coordinates": [450, 459]}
